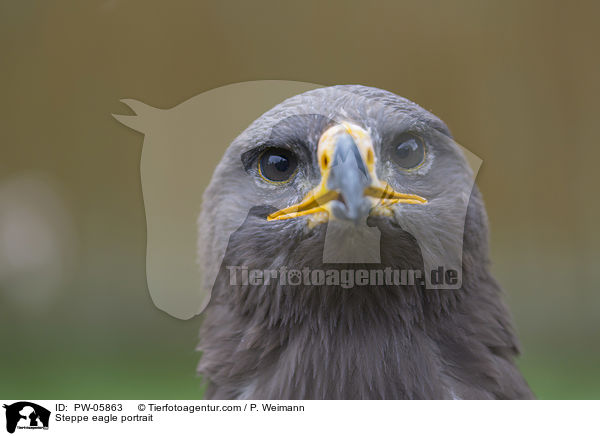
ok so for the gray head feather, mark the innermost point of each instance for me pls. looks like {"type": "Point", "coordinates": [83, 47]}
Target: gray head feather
{"type": "Point", "coordinates": [281, 342]}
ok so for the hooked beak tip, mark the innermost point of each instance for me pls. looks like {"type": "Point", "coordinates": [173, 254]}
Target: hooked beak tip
{"type": "Point", "coordinates": [349, 187]}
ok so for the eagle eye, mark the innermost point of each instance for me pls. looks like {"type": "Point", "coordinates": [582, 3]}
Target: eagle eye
{"type": "Point", "coordinates": [410, 152]}
{"type": "Point", "coordinates": [277, 165]}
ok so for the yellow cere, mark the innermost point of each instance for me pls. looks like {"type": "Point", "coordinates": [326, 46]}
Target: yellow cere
{"type": "Point", "coordinates": [316, 203]}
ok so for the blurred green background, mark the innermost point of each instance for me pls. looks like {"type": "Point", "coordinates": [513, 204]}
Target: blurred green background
{"type": "Point", "coordinates": [516, 81]}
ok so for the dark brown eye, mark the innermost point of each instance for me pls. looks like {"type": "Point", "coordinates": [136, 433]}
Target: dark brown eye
{"type": "Point", "coordinates": [409, 152]}
{"type": "Point", "coordinates": [277, 164]}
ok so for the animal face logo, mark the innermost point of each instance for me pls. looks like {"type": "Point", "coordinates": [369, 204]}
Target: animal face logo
{"type": "Point", "coordinates": [26, 415]}
{"type": "Point", "coordinates": [182, 147]}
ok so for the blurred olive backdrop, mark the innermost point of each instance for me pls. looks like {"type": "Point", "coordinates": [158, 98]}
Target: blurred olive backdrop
{"type": "Point", "coordinates": [516, 81]}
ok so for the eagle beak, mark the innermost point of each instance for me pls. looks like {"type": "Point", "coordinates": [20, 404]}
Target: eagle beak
{"type": "Point", "coordinates": [349, 188]}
